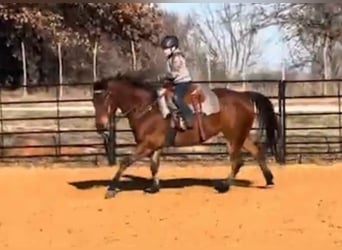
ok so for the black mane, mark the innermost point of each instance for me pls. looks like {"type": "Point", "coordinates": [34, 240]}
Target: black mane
{"type": "Point", "coordinates": [139, 79]}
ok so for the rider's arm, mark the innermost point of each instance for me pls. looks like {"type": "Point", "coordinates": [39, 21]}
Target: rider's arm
{"type": "Point", "coordinates": [178, 64]}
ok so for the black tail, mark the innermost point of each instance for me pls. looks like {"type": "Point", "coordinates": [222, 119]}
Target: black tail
{"type": "Point", "coordinates": [268, 121]}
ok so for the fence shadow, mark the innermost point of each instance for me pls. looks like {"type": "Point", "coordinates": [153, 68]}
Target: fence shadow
{"type": "Point", "coordinates": [136, 183]}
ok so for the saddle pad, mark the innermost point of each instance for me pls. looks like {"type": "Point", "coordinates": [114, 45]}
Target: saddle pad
{"type": "Point", "coordinates": [210, 105]}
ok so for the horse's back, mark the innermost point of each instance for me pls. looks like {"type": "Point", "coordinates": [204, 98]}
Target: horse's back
{"type": "Point", "coordinates": [210, 104]}
{"type": "Point", "coordinates": [215, 98]}
{"type": "Point", "coordinates": [225, 94]}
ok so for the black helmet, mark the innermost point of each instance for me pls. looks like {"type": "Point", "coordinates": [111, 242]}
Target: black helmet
{"type": "Point", "coordinates": [169, 42]}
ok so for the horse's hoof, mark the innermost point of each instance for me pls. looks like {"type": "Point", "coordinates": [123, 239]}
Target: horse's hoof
{"type": "Point", "coordinates": [110, 194]}
{"type": "Point", "coordinates": [269, 178]}
{"type": "Point", "coordinates": [270, 183]}
{"type": "Point", "coordinates": [152, 190]}
{"type": "Point", "coordinates": [222, 187]}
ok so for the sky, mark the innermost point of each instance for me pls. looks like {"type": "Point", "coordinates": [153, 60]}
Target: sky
{"type": "Point", "coordinates": [271, 45]}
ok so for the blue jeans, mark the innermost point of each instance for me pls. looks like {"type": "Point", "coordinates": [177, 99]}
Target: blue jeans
{"type": "Point", "coordinates": [180, 91]}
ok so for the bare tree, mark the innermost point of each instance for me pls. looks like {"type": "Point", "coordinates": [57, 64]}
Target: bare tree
{"type": "Point", "coordinates": [312, 32]}
{"type": "Point", "coordinates": [229, 32]}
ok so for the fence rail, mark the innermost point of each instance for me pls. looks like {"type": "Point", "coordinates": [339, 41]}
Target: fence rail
{"type": "Point", "coordinates": [63, 128]}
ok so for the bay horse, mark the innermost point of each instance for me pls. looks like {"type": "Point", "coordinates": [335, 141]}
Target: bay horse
{"type": "Point", "coordinates": [136, 99]}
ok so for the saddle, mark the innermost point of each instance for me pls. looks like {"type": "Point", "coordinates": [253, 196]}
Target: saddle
{"type": "Point", "coordinates": [193, 92]}
{"type": "Point", "coordinates": [194, 98]}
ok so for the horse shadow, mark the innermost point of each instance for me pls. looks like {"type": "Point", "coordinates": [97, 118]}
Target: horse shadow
{"type": "Point", "coordinates": [136, 183]}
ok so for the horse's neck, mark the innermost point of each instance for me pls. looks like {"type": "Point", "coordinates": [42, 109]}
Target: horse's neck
{"type": "Point", "coordinates": [135, 106]}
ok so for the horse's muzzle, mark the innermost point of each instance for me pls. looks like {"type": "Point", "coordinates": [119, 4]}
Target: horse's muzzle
{"type": "Point", "coordinates": [104, 133]}
{"type": "Point", "coordinates": [100, 128]}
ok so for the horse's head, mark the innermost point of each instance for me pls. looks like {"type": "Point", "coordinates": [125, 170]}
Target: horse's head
{"type": "Point", "coordinates": [105, 103]}
{"type": "Point", "coordinates": [128, 92]}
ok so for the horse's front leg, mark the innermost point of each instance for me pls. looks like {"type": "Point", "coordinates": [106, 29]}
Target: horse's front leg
{"type": "Point", "coordinates": [154, 166]}
{"type": "Point", "coordinates": [141, 151]}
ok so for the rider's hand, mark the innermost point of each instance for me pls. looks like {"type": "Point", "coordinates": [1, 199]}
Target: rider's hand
{"type": "Point", "coordinates": [162, 91]}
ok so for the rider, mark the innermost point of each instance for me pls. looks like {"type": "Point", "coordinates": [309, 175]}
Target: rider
{"type": "Point", "coordinates": [178, 74]}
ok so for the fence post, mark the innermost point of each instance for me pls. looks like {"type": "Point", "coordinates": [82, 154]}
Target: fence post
{"type": "Point", "coordinates": [282, 116]}
{"type": "Point", "coordinates": [134, 56]}
{"type": "Point", "coordinates": [58, 121]}
{"type": "Point", "coordinates": [111, 143]}
{"type": "Point", "coordinates": [339, 115]}
{"type": "Point", "coordinates": [95, 61]}
{"type": "Point", "coordinates": [60, 69]}
{"type": "Point", "coordinates": [23, 52]}
{"type": "Point", "coordinates": [2, 139]}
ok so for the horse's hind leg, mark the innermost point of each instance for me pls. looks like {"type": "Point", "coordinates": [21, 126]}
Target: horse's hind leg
{"type": "Point", "coordinates": [234, 150]}
{"type": "Point", "coordinates": [238, 163]}
{"type": "Point", "coordinates": [259, 155]}
{"type": "Point", "coordinates": [154, 166]}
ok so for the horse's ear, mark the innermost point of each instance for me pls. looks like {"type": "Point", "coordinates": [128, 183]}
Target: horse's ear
{"type": "Point", "coordinates": [101, 85]}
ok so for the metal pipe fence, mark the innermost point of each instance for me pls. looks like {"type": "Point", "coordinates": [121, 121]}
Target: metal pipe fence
{"type": "Point", "coordinates": [63, 128]}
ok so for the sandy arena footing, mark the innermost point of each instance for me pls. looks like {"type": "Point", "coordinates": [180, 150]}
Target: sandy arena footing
{"type": "Point", "coordinates": [63, 208]}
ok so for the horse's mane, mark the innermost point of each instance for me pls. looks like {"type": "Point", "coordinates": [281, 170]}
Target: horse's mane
{"type": "Point", "coordinates": [139, 79]}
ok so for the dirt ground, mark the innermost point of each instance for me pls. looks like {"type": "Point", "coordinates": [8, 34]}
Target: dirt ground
{"type": "Point", "coordinates": [64, 208]}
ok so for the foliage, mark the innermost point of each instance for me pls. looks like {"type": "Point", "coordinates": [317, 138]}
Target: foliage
{"type": "Point", "coordinates": [76, 26]}
{"type": "Point", "coordinates": [312, 32]}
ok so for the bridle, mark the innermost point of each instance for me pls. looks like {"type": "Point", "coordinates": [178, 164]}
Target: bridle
{"type": "Point", "coordinates": [141, 110]}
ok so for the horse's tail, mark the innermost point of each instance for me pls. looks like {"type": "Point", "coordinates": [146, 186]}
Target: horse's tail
{"type": "Point", "coordinates": [268, 121]}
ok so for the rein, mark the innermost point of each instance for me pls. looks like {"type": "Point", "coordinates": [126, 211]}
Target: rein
{"type": "Point", "coordinates": [143, 110]}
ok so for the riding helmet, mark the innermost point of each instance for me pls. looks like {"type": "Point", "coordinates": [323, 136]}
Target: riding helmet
{"type": "Point", "coordinates": [169, 42]}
